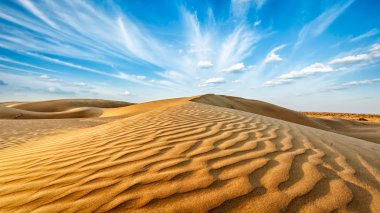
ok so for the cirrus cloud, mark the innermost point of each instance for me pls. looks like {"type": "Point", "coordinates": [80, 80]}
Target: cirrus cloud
{"type": "Point", "coordinates": [297, 74]}
{"type": "Point", "coordinates": [213, 81]}
{"type": "Point", "coordinates": [351, 59]}
{"type": "Point", "coordinates": [273, 56]}
{"type": "Point", "coordinates": [204, 64]}
{"type": "Point", "coordinates": [234, 68]}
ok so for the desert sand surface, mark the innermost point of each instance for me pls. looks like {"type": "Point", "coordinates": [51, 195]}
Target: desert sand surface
{"type": "Point", "coordinates": [66, 104]}
{"type": "Point", "coordinates": [15, 132]}
{"type": "Point", "coordinates": [55, 109]}
{"type": "Point", "coordinates": [348, 116]}
{"type": "Point", "coordinates": [206, 153]}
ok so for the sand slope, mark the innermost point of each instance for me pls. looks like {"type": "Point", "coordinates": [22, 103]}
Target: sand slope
{"type": "Point", "coordinates": [363, 130]}
{"type": "Point", "coordinates": [81, 112]}
{"type": "Point", "coordinates": [192, 157]}
{"type": "Point", "coordinates": [66, 104]}
{"type": "Point", "coordinates": [348, 116]}
{"type": "Point", "coordinates": [258, 107]}
{"type": "Point", "coordinates": [56, 109]}
{"type": "Point", "coordinates": [132, 110]}
{"type": "Point", "coordinates": [14, 133]}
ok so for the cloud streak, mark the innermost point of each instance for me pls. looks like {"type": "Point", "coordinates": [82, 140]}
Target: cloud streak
{"type": "Point", "coordinates": [369, 56]}
{"type": "Point", "coordinates": [273, 56]}
{"type": "Point", "coordinates": [56, 34]}
{"type": "Point", "coordinates": [322, 22]}
{"type": "Point", "coordinates": [213, 82]}
{"type": "Point", "coordinates": [351, 84]}
{"type": "Point", "coordinates": [239, 67]}
{"type": "Point", "coordinates": [368, 34]}
{"type": "Point", "coordinates": [298, 74]}
{"type": "Point", "coordinates": [27, 4]}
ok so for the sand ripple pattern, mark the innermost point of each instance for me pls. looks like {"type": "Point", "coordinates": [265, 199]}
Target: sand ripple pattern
{"type": "Point", "coordinates": [192, 158]}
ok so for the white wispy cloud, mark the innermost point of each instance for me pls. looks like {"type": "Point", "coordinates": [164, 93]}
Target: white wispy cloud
{"type": "Point", "coordinates": [375, 47]}
{"type": "Point", "coordinates": [351, 59]}
{"type": "Point", "coordinates": [322, 22]}
{"type": "Point", "coordinates": [217, 80]}
{"type": "Point", "coordinates": [338, 64]}
{"type": "Point", "coordinates": [127, 40]}
{"type": "Point", "coordinates": [344, 86]}
{"type": "Point", "coordinates": [213, 81]}
{"type": "Point", "coordinates": [34, 10]}
{"type": "Point", "coordinates": [257, 23]}
{"type": "Point", "coordinates": [204, 64]}
{"type": "Point", "coordinates": [240, 8]}
{"type": "Point", "coordinates": [140, 79]}
{"type": "Point", "coordinates": [25, 64]}
{"type": "Point", "coordinates": [259, 3]}
{"type": "Point", "coordinates": [297, 74]}
{"type": "Point", "coordinates": [130, 77]}
{"type": "Point", "coordinates": [309, 70]}
{"type": "Point", "coordinates": [368, 34]}
{"type": "Point", "coordinates": [277, 81]}
{"type": "Point", "coordinates": [237, 46]}
{"type": "Point", "coordinates": [356, 83]}
{"type": "Point", "coordinates": [273, 56]}
{"type": "Point", "coordinates": [8, 68]}
{"type": "Point", "coordinates": [68, 64]}
{"type": "Point", "coordinates": [239, 67]}
{"type": "Point", "coordinates": [47, 84]}
{"type": "Point", "coordinates": [366, 57]}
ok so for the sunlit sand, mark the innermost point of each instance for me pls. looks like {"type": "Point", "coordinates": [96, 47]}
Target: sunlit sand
{"type": "Point", "coordinates": [196, 154]}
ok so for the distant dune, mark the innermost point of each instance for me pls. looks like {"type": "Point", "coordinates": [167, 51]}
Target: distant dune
{"type": "Point", "coordinates": [260, 108]}
{"type": "Point", "coordinates": [66, 108]}
{"type": "Point", "coordinates": [67, 104]}
{"type": "Point", "coordinates": [362, 130]}
{"type": "Point", "coordinates": [206, 153]}
{"type": "Point", "coordinates": [351, 116]}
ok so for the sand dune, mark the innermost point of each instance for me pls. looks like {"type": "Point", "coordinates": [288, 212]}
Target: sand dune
{"type": "Point", "coordinates": [349, 116]}
{"type": "Point", "coordinates": [259, 107]}
{"type": "Point", "coordinates": [128, 111]}
{"type": "Point", "coordinates": [363, 130]}
{"type": "Point", "coordinates": [369, 131]}
{"type": "Point", "coordinates": [66, 104]}
{"type": "Point", "coordinates": [192, 157]}
{"type": "Point", "coordinates": [55, 109]}
{"type": "Point", "coordinates": [14, 133]}
{"type": "Point", "coordinates": [81, 112]}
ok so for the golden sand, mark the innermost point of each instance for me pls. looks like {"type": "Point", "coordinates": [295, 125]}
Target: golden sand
{"type": "Point", "coordinates": [185, 156]}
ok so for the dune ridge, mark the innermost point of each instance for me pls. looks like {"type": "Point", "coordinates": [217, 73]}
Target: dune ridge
{"type": "Point", "coordinates": [192, 157]}
{"type": "Point", "coordinates": [14, 133]}
{"type": "Point", "coordinates": [81, 112]}
{"type": "Point", "coordinates": [57, 109]}
{"type": "Point", "coordinates": [369, 131]}
{"type": "Point", "coordinates": [350, 116]}
{"type": "Point", "coordinates": [66, 104]}
{"type": "Point", "coordinates": [259, 107]}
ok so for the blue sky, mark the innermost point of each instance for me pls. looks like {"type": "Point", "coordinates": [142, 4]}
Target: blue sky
{"type": "Point", "coordinates": [305, 55]}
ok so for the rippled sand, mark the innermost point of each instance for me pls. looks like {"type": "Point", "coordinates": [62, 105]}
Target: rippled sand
{"type": "Point", "coordinates": [184, 156]}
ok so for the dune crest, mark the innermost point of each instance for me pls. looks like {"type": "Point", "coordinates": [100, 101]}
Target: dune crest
{"type": "Point", "coordinates": [366, 131]}
{"type": "Point", "coordinates": [57, 109]}
{"type": "Point", "coordinates": [67, 104]}
{"type": "Point", "coordinates": [260, 108]}
{"type": "Point", "coordinates": [192, 157]}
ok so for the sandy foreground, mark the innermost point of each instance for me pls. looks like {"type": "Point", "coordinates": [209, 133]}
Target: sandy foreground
{"type": "Point", "coordinates": [197, 154]}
